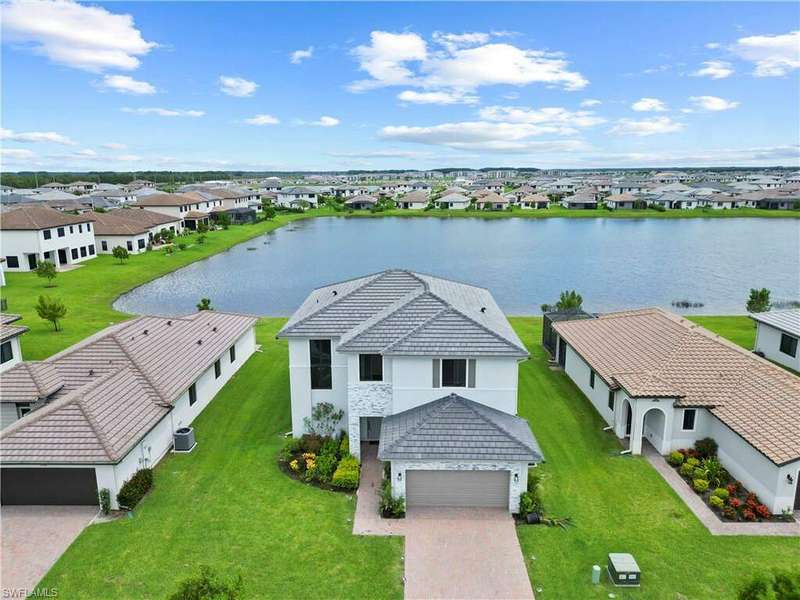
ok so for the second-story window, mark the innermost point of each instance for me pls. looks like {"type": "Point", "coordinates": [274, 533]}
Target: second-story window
{"type": "Point", "coordinates": [320, 356]}
{"type": "Point", "coordinates": [370, 367]}
{"type": "Point", "coordinates": [60, 232]}
{"type": "Point", "coordinates": [454, 372]}
{"type": "Point", "coordinates": [47, 234]}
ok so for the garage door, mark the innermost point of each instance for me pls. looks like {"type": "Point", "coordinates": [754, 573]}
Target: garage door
{"type": "Point", "coordinates": [48, 486]}
{"type": "Point", "coordinates": [457, 488]}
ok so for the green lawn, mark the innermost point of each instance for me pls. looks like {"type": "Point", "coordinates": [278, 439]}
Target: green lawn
{"type": "Point", "coordinates": [229, 506]}
{"type": "Point", "coordinates": [740, 330]}
{"type": "Point", "coordinates": [621, 504]}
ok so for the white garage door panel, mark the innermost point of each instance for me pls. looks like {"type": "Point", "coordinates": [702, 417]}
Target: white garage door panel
{"type": "Point", "coordinates": [457, 488]}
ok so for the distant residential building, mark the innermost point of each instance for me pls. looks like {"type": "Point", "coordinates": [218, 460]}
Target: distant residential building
{"type": "Point", "coordinates": [192, 208]}
{"type": "Point", "coordinates": [297, 197]}
{"type": "Point", "coordinates": [131, 229]}
{"type": "Point", "coordinates": [453, 202]}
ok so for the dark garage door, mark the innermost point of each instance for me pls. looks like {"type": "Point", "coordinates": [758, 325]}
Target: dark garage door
{"type": "Point", "coordinates": [48, 486]}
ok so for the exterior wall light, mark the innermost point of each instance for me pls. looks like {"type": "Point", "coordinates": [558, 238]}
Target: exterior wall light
{"type": "Point", "coordinates": [516, 477]}
{"type": "Point", "coordinates": [400, 476]}
{"type": "Point", "coordinates": [789, 478]}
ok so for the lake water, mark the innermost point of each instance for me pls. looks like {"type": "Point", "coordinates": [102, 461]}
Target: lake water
{"type": "Point", "coordinates": [614, 263]}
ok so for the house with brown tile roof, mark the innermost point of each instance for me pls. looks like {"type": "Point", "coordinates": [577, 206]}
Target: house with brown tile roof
{"type": "Point", "coordinates": [32, 234]}
{"type": "Point", "coordinates": [110, 405]}
{"type": "Point", "coordinates": [659, 379]}
{"type": "Point", "coordinates": [130, 229]}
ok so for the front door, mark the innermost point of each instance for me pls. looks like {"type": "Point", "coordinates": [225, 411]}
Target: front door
{"type": "Point", "coordinates": [628, 420]}
{"type": "Point", "coordinates": [62, 256]}
{"type": "Point", "coordinates": [32, 262]}
{"type": "Point", "coordinates": [371, 429]}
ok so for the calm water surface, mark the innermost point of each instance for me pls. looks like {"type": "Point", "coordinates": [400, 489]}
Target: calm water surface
{"type": "Point", "coordinates": [614, 263]}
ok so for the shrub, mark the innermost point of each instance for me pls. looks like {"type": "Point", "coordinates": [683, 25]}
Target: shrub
{"type": "Point", "coordinates": [700, 485]}
{"type": "Point", "coordinates": [133, 490]}
{"type": "Point", "coordinates": [706, 447]}
{"type": "Point", "coordinates": [525, 504]}
{"type": "Point", "coordinates": [330, 447]}
{"type": "Point", "coordinates": [721, 493]}
{"type": "Point", "coordinates": [390, 506]}
{"type": "Point", "coordinates": [326, 465]}
{"type": "Point", "coordinates": [344, 446]}
{"type": "Point", "coordinates": [347, 473]}
{"type": "Point", "coordinates": [675, 458]}
{"type": "Point", "coordinates": [763, 512]}
{"type": "Point", "coordinates": [182, 246]}
{"type": "Point", "coordinates": [715, 473]}
{"type": "Point", "coordinates": [699, 473]}
{"type": "Point", "coordinates": [748, 515]}
{"type": "Point", "coordinates": [311, 442]}
{"type": "Point", "coordinates": [105, 500]}
{"type": "Point", "coordinates": [686, 469]}
{"type": "Point", "coordinates": [733, 488]}
{"type": "Point", "coordinates": [716, 502]}
{"type": "Point", "coordinates": [735, 503]}
{"type": "Point", "coordinates": [777, 585]}
{"type": "Point", "coordinates": [692, 461]}
{"type": "Point", "coordinates": [208, 586]}
{"type": "Point", "coordinates": [729, 513]}
{"type": "Point", "coordinates": [293, 445]}
{"type": "Point", "coordinates": [534, 479]}
{"type": "Point", "coordinates": [324, 419]}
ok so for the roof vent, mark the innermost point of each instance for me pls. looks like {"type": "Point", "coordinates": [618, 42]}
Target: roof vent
{"type": "Point", "coordinates": [169, 323]}
{"type": "Point", "coordinates": [214, 329]}
{"type": "Point", "coordinates": [145, 331]}
{"type": "Point", "coordinates": [199, 342]}
{"type": "Point", "coordinates": [91, 372]}
{"type": "Point", "coordinates": [483, 309]}
{"type": "Point", "coordinates": [335, 293]}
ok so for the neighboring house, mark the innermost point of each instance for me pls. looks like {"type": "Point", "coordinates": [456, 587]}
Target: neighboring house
{"type": "Point", "coordinates": [428, 368]}
{"type": "Point", "coordinates": [129, 229]}
{"type": "Point", "coordinates": [630, 186]}
{"type": "Point", "coordinates": [671, 382]}
{"type": "Point", "coordinates": [535, 201]}
{"type": "Point", "coordinates": [297, 197]}
{"type": "Point", "coordinates": [360, 202]}
{"type": "Point", "coordinates": [585, 199]}
{"type": "Point", "coordinates": [118, 197]}
{"type": "Point", "coordinates": [492, 201]}
{"type": "Point", "coordinates": [35, 233]}
{"type": "Point", "coordinates": [414, 200]}
{"type": "Point", "coordinates": [625, 200]}
{"type": "Point", "coordinates": [81, 187]}
{"type": "Point", "coordinates": [453, 201]}
{"type": "Point", "coordinates": [10, 349]}
{"type": "Point", "coordinates": [109, 406]}
{"type": "Point", "coordinates": [191, 208]}
{"type": "Point", "coordinates": [55, 185]}
{"type": "Point", "coordinates": [777, 333]}
{"type": "Point", "coordinates": [420, 186]}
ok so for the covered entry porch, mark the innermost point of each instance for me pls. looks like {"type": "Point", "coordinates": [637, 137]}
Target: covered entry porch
{"type": "Point", "coordinates": [637, 420]}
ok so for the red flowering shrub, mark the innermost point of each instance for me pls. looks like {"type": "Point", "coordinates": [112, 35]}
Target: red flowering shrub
{"type": "Point", "coordinates": [748, 515]}
{"type": "Point", "coordinates": [733, 488]}
{"type": "Point", "coordinates": [763, 512]}
{"type": "Point", "coordinates": [735, 503]}
{"type": "Point", "coordinates": [751, 498]}
{"type": "Point", "coordinates": [729, 513]}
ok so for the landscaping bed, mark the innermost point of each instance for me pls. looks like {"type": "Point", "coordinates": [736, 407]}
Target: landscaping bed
{"type": "Point", "coordinates": [323, 461]}
{"type": "Point", "coordinates": [727, 498]}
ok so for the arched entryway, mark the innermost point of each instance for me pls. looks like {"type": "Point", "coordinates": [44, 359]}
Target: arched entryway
{"type": "Point", "coordinates": [654, 429]}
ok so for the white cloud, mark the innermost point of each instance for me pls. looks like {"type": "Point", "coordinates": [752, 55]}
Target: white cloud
{"type": "Point", "coordinates": [590, 102]}
{"type": "Point", "coordinates": [36, 137]}
{"type": "Point", "coordinates": [262, 120]}
{"type": "Point", "coordinates": [548, 115]}
{"type": "Point", "coordinates": [773, 55]}
{"type": "Point", "coordinates": [164, 112]}
{"type": "Point", "coordinates": [299, 56]}
{"type": "Point", "coordinates": [713, 103]}
{"type": "Point", "coordinates": [326, 121]}
{"type": "Point", "coordinates": [403, 59]}
{"type": "Point", "coordinates": [715, 69]}
{"type": "Point", "coordinates": [713, 45]}
{"type": "Point", "coordinates": [649, 105]}
{"type": "Point", "coordinates": [646, 127]}
{"type": "Point", "coordinates": [511, 96]}
{"type": "Point", "coordinates": [236, 86]}
{"type": "Point", "coordinates": [482, 136]}
{"type": "Point", "coordinates": [127, 85]}
{"type": "Point", "coordinates": [440, 97]}
{"type": "Point", "coordinates": [16, 153]}
{"type": "Point", "coordinates": [383, 154]}
{"type": "Point", "coordinates": [76, 35]}
{"type": "Point", "coordinates": [115, 146]}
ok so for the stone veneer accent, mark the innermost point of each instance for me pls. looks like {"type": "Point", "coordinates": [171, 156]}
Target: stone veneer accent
{"type": "Point", "coordinates": [366, 400]}
{"type": "Point", "coordinates": [515, 467]}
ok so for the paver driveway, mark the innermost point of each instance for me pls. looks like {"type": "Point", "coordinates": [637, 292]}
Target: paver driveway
{"type": "Point", "coordinates": [33, 538]}
{"type": "Point", "coordinates": [463, 553]}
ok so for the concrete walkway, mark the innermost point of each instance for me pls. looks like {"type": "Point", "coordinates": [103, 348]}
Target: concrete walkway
{"type": "Point", "coordinates": [449, 552]}
{"type": "Point", "coordinates": [33, 539]}
{"type": "Point", "coordinates": [701, 510]}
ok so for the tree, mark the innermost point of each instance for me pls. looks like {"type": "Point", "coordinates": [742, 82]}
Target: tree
{"type": "Point", "coordinates": [47, 270]}
{"type": "Point", "coordinates": [569, 300]}
{"type": "Point", "coordinates": [758, 301]}
{"type": "Point", "coordinates": [204, 304]}
{"type": "Point", "coordinates": [269, 211]}
{"type": "Point", "coordinates": [775, 585]}
{"type": "Point", "coordinates": [202, 228]}
{"type": "Point", "coordinates": [51, 309]}
{"type": "Point", "coordinates": [324, 419]}
{"type": "Point", "coordinates": [208, 586]}
{"type": "Point", "coordinates": [120, 253]}
{"type": "Point", "coordinates": [201, 239]}
{"type": "Point", "coordinates": [224, 220]}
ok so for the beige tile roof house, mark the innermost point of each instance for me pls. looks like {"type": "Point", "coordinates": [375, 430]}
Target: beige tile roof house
{"type": "Point", "coordinates": [653, 353]}
{"type": "Point", "coordinates": [29, 217]}
{"type": "Point", "coordinates": [108, 391]}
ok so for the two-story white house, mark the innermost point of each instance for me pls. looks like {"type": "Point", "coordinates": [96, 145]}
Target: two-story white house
{"type": "Point", "coordinates": [777, 334]}
{"type": "Point", "coordinates": [402, 354]}
{"type": "Point", "coordinates": [32, 234]}
{"type": "Point", "coordinates": [658, 379]}
{"type": "Point", "coordinates": [192, 208]}
{"type": "Point", "coordinates": [297, 197]}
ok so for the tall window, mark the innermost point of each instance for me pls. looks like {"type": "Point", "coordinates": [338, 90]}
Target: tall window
{"type": "Point", "coordinates": [104, 245]}
{"type": "Point", "coordinates": [320, 354]}
{"type": "Point", "coordinates": [130, 245]}
{"type": "Point", "coordinates": [370, 367]}
{"type": "Point", "coordinates": [232, 353]}
{"type": "Point", "coordinates": [47, 234]}
{"type": "Point", "coordinates": [60, 232]}
{"type": "Point", "coordinates": [591, 379]}
{"type": "Point", "coordinates": [6, 352]}
{"type": "Point", "coordinates": [788, 344]}
{"type": "Point", "coordinates": [192, 394]}
{"type": "Point", "coordinates": [611, 400]}
{"type": "Point", "coordinates": [689, 415]}
{"type": "Point", "coordinates": [74, 253]}
{"type": "Point", "coordinates": [12, 262]}
{"type": "Point", "coordinates": [454, 372]}
{"type": "Point", "coordinates": [140, 243]}
{"type": "Point", "coordinates": [217, 369]}
{"type": "Point", "coordinates": [83, 251]}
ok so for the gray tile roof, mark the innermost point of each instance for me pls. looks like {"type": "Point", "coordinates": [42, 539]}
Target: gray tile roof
{"type": "Point", "coordinates": [399, 312]}
{"type": "Point", "coordinates": [785, 320]}
{"type": "Point", "coordinates": [455, 428]}
{"type": "Point", "coordinates": [108, 391]}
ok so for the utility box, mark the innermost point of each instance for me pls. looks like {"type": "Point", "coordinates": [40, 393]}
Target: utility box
{"type": "Point", "coordinates": [623, 570]}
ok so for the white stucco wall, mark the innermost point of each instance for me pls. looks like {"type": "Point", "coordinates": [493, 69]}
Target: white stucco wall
{"type": "Point", "coordinates": [121, 240]}
{"type": "Point", "coordinates": [768, 341]}
{"type": "Point", "coordinates": [20, 243]}
{"type": "Point", "coordinates": [16, 352]}
{"type": "Point", "coordinates": [579, 371]}
{"type": "Point", "coordinates": [520, 469]}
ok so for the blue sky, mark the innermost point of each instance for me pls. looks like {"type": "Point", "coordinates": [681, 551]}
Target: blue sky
{"type": "Point", "coordinates": [134, 86]}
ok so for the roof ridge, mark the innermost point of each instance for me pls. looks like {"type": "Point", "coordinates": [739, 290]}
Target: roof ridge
{"type": "Point", "coordinates": [472, 405]}
{"type": "Point", "coordinates": [426, 409]}
{"type": "Point", "coordinates": [159, 392]}
{"type": "Point", "coordinates": [90, 418]}
{"type": "Point", "coordinates": [421, 325]}
{"type": "Point", "coordinates": [489, 331]}
{"type": "Point", "coordinates": [398, 305]}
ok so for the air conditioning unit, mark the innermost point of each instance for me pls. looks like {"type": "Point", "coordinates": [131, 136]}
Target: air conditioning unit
{"type": "Point", "coordinates": [184, 439]}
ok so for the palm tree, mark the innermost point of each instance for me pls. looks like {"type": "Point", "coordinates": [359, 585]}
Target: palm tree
{"type": "Point", "coordinates": [569, 300]}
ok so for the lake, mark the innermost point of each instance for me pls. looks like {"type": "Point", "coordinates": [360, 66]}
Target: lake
{"type": "Point", "coordinates": [614, 263]}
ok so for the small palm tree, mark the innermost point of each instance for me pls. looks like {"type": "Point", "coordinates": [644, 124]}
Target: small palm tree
{"type": "Point", "coordinates": [204, 304]}
{"type": "Point", "coordinates": [569, 300]}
